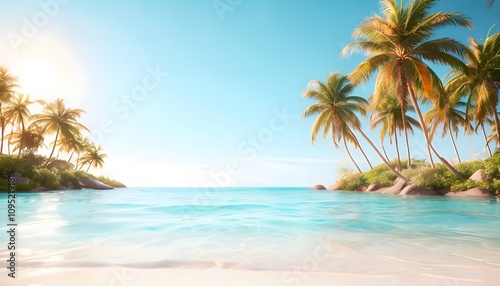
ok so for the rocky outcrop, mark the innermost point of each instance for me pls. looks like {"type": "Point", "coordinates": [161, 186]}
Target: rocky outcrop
{"type": "Point", "coordinates": [361, 188]}
{"type": "Point", "coordinates": [20, 179]}
{"type": "Point", "coordinates": [318, 187]}
{"type": "Point", "coordinates": [76, 184]}
{"type": "Point", "coordinates": [474, 192]}
{"type": "Point", "coordinates": [414, 190]}
{"type": "Point", "coordinates": [478, 176]}
{"type": "Point", "coordinates": [399, 185]}
{"type": "Point", "coordinates": [40, 189]}
{"type": "Point", "coordinates": [90, 183]}
{"type": "Point", "coordinates": [336, 186]}
{"type": "Point", "coordinates": [373, 187]}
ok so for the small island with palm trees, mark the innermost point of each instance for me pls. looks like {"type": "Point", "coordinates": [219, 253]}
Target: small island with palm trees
{"type": "Point", "coordinates": [400, 47]}
{"type": "Point", "coordinates": [24, 135]}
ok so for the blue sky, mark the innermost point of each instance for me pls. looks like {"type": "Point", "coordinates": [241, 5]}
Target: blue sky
{"type": "Point", "coordinates": [193, 93]}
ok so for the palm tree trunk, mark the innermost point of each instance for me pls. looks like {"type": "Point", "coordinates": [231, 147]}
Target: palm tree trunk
{"type": "Point", "coordinates": [453, 142]}
{"type": "Point", "coordinates": [366, 158]}
{"type": "Point", "coordinates": [405, 131]}
{"type": "Point", "coordinates": [426, 135]}
{"type": "Point", "coordinates": [53, 148]}
{"type": "Point", "coordinates": [2, 122]}
{"type": "Point", "coordinates": [383, 149]}
{"type": "Point", "coordinates": [21, 144]}
{"type": "Point", "coordinates": [486, 139]}
{"type": "Point", "coordinates": [71, 156]}
{"type": "Point", "coordinates": [408, 149]}
{"type": "Point", "coordinates": [398, 174]}
{"type": "Point", "coordinates": [497, 121]}
{"type": "Point", "coordinates": [350, 156]}
{"type": "Point", "coordinates": [397, 152]}
{"type": "Point", "coordinates": [90, 164]}
{"type": "Point", "coordinates": [422, 123]}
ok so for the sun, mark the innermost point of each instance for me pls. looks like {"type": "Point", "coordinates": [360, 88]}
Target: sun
{"type": "Point", "coordinates": [38, 79]}
{"type": "Point", "coordinates": [49, 70]}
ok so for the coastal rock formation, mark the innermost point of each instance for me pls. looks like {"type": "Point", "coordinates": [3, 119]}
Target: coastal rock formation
{"type": "Point", "coordinates": [478, 176]}
{"type": "Point", "coordinates": [399, 185]}
{"type": "Point", "coordinates": [475, 192]}
{"type": "Point", "coordinates": [90, 183]}
{"type": "Point", "coordinates": [76, 185]}
{"type": "Point", "coordinates": [40, 189]}
{"type": "Point", "coordinates": [20, 179]}
{"type": "Point", "coordinates": [373, 187]}
{"type": "Point", "coordinates": [361, 188]}
{"type": "Point", "coordinates": [414, 190]}
{"type": "Point", "coordinates": [336, 186]}
{"type": "Point", "coordinates": [318, 187]}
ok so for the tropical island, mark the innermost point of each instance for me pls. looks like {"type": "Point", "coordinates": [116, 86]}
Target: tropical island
{"type": "Point", "coordinates": [24, 135]}
{"type": "Point", "coordinates": [400, 48]}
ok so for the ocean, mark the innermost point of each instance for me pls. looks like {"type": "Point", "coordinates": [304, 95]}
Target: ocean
{"type": "Point", "coordinates": [293, 231]}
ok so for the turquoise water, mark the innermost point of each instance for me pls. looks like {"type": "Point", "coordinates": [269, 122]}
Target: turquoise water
{"type": "Point", "coordinates": [258, 229]}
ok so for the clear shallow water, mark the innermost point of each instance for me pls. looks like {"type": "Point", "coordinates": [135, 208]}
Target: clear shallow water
{"type": "Point", "coordinates": [284, 229]}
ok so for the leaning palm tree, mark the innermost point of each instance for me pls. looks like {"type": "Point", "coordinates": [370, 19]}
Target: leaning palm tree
{"type": "Point", "coordinates": [451, 118]}
{"type": "Point", "coordinates": [93, 156]}
{"type": "Point", "coordinates": [397, 43]}
{"type": "Point", "coordinates": [81, 144]}
{"type": "Point", "coordinates": [17, 113]}
{"type": "Point", "coordinates": [392, 119]}
{"type": "Point", "coordinates": [57, 118]}
{"type": "Point", "coordinates": [336, 110]}
{"type": "Point", "coordinates": [341, 131]}
{"type": "Point", "coordinates": [7, 84]}
{"type": "Point", "coordinates": [479, 81]}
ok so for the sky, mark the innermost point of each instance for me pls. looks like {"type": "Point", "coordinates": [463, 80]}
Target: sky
{"type": "Point", "coordinates": [205, 92]}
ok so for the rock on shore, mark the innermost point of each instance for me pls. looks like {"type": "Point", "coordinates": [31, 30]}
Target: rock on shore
{"type": "Point", "coordinates": [90, 183]}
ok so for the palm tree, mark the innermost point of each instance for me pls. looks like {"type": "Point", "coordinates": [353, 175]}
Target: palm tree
{"type": "Point", "coordinates": [341, 130]}
{"type": "Point", "coordinates": [30, 140]}
{"type": "Point", "coordinates": [17, 113]}
{"type": "Point", "coordinates": [397, 43]}
{"type": "Point", "coordinates": [480, 79]}
{"type": "Point", "coordinates": [57, 118]}
{"type": "Point", "coordinates": [7, 84]}
{"type": "Point", "coordinates": [93, 156]}
{"type": "Point", "coordinates": [336, 109]}
{"type": "Point", "coordinates": [81, 144]}
{"type": "Point", "coordinates": [451, 118]}
{"type": "Point", "coordinates": [390, 115]}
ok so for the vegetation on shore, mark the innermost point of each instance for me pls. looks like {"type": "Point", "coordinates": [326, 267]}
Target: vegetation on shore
{"type": "Point", "coordinates": [400, 48]}
{"type": "Point", "coordinates": [23, 136]}
{"type": "Point", "coordinates": [423, 175]}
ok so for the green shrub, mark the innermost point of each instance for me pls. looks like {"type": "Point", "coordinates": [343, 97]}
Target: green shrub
{"type": "Point", "coordinates": [381, 174]}
{"type": "Point", "coordinates": [61, 165]}
{"type": "Point", "coordinates": [110, 182]}
{"type": "Point", "coordinates": [431, 178]}
{"type": "Point", "coordinates": [66, 177]}
{"type": "Point", "coordinates": [492, 167]}
{"type": "Point", "coordinates": [47, 178]}
{"type": "Point", "coordinates": [469, 168]}
{"type": "Point", "coordinates": [12, 164]}
{"type": "Point", "coordinates": [353, 181]}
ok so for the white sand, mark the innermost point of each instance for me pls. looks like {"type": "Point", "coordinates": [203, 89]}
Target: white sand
{"type": "Point", "coordinates": [221, 277]}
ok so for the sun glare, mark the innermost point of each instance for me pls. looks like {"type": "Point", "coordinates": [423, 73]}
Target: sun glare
{"type": "Point", "coordinates": [48, 70]}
